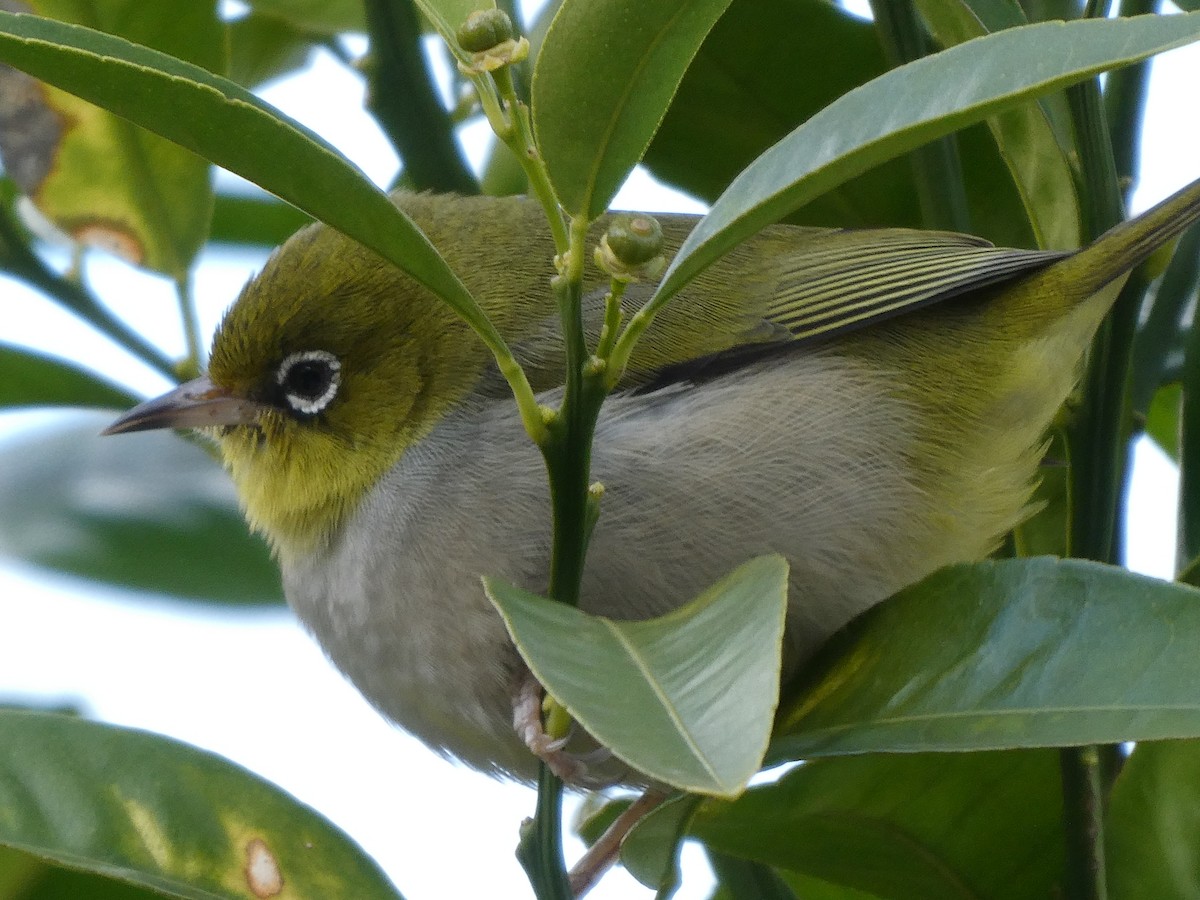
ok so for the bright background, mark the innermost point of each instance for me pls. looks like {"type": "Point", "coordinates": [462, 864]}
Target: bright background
{"type": "Point", "coordinates": [250, 685]}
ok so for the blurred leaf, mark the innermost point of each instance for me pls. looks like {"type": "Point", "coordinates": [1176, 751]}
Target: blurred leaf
{"type": "Point", "coordinates": [1027, 142]}
{"type": "Point", "coordinates": [167, 816]}
{"type": "Point", "coordinates": [602, 83]}
{"type": "Point", "coordinates": [650, 852]}
{"type": "Point", "coordinates": [906, 827]}
{"type": "Point", "coordinates": [149, 511]}
{"type": "Point", "coordinates": [994, 655]}
{"type": "Point", "coordinates": [743, 879]}
{"type": "Point", "coordinates": [1163, 331]}
{"type": "Point", "coordinates": [698, 686]}
{"type": "Point", "coordinates": [1152, 832]}
{"type": "Point", "coordinates": [263, 47]}
{"type": "Point", "coordinates": [98, 178]}
{"type": "Point", "coordinates": [31, 379]}
{"type": "Point", "coordinates": [1162, 418]}
{"type": "Point", "coordinates": [25, 877]}
{"type": "Point", "coordinates": [222, 121]}
{"type": "Point", "coordinates": [961, 85]}
{"type": "Point", "coordinates": [327, 17]}
{"type": "Point", "coordinates": [729, 108]}
{"type": "Point", "coordinates": [259, 222]}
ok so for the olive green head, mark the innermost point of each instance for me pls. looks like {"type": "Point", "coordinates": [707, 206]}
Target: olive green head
{"type": "Point", "coordinates": [327, 367]}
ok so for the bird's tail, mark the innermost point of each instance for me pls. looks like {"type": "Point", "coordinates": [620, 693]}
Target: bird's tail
{"type": "Point", "coordinates": [1128, 244]}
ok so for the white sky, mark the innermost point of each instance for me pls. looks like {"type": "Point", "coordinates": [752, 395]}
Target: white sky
{"type": "Point", "coordinates": [251, 686]}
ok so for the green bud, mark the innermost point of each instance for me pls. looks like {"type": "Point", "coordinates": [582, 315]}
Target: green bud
{"type": "Point", "coordinates": [631, 248]}
{"type": "Point", "coordinates": [484, 29]}
{"type": "Point", "coordinates": [634, 239]}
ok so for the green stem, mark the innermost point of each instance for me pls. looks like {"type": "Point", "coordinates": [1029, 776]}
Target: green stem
{"type": "Point", "coordinates": [1105, 420]}
{"type": "Point", "coordinates": [18, 260]}
{"type": "Point", "coordinates": [191, 327]}
{"type": "Point", "coordinates": [540, 848]}
{"type": "Point", "coordinates": [937, 169]}
{"type": "Point", "coordinates": [402, 98]}
{"type": "Point", "coordinates": [1099, 442]}
{"type": "Point", "coordinates": [1083, 809]}
{"type": "Point", "coordinates": [519, 138]}
{"type": "Point", "coordinates": [1125, 101]}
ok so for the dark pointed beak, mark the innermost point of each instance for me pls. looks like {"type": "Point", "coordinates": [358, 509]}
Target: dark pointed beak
{"type": "Point", "coordinates": [196, 404]}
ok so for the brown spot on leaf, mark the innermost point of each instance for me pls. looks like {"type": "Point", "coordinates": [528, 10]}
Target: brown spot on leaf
{"type": "Point", "coordinates": [262, 870]}
{"type": "Point", "coordinates": [111, 237]}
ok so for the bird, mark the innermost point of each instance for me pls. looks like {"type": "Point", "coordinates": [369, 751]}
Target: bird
{"type": "Point", "coordinates": [870, 404]}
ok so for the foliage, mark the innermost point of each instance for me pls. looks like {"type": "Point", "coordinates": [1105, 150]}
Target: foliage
{"type": "Point", "coordinates": [1010, 136]}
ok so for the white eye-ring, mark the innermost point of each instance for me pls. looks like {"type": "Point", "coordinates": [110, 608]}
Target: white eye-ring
{"type": "Point", "coordinates": [309, 380]}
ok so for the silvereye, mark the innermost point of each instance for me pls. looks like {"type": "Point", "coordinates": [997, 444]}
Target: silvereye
{"type": "Point", "coordinates": [870, 404]}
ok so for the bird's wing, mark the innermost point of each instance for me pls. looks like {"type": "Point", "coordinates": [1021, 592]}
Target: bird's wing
{"type": "Point", "coordinates": [844, 281]}
{"type": "Point", "coordinates": [785, 288]}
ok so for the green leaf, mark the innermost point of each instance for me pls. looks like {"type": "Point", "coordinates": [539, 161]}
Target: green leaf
{"type": "Point", "coordinates": [994, 655]}
{"type": "Point", "coordinates": [1162, 332]}
{"type": "Point", "coordinates": [151, 512]}
{"type": "Point", "coordinates": [697, 688]}
{"type": "Point", "coordinates": [262, 48]}
{"type": "Point", "coordinates": [1028, 144]}
{"type": "Point", "coordinates": [729, 107]}
{"type": "Point", "coordinates": [31, 379]}
{"type": "Point", "coordinates": [906, 827]}
{"type": "Point", "coordinates": [879, 121]}
{"type": "Point", "coordinates": [25, 877]}
{"type": "Point", "coordinates": [1152, 831]}
{"type": "Point", "coordinates": [1162, 418]}
{"type": "Point", "coordinates": [742, 879]}
{"type": "Point", "coordinates": [220, 120]}
{"type": "Point", "coordinates": [259, 222]}
{"type": "Point", "coordinates": [650, 852]}
{"type": "Point", "coordinates": [166, 816]}
{"type": "Point", "coordinates": [603, 81]}
{"type": "Point", "coordinates": [328, 17]}
{"type": "Point", "coordinates": [99, 178]}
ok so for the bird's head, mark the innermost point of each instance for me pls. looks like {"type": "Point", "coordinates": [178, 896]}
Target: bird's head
{"type": "Point", "coordinates": [327, 368]}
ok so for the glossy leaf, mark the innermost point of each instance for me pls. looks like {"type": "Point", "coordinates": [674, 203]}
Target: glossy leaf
{"type": "Point", "coordinates": [148, 511]}
{"type": "Point", "coordinates": [223, 122]}
{"type": "Point", "coordinates": [697, 687]}
{"type": "Point", "coordinates": [1018, 653]}
{"type": "Point", "coordinates": [879, 121]}
{"type": "Point", "coordinates": [603, 80]}
{"type": "Point", "coordinates": [32, 379]}
{"type": "Point", "coordinates": [906, 827]}
{"type": "Point", "coordinates": [94, 175]}
{"type": "Point", "coordinates": [166, 816]}
{"type": "Point", "coordinates": [1152, 832]}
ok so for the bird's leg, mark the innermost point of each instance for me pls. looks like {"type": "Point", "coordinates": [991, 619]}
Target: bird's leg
{"type": "Point", "coordinates": [572, 768]}
{"type": "Point", "coordinates": [600, 857]}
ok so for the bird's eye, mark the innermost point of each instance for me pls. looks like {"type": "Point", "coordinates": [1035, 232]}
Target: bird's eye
{"type": "Point", "coordinates": [309, 380]}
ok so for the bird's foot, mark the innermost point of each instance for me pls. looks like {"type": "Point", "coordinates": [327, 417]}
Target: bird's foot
{"type": "Point", "coordinates": [572, 768]}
